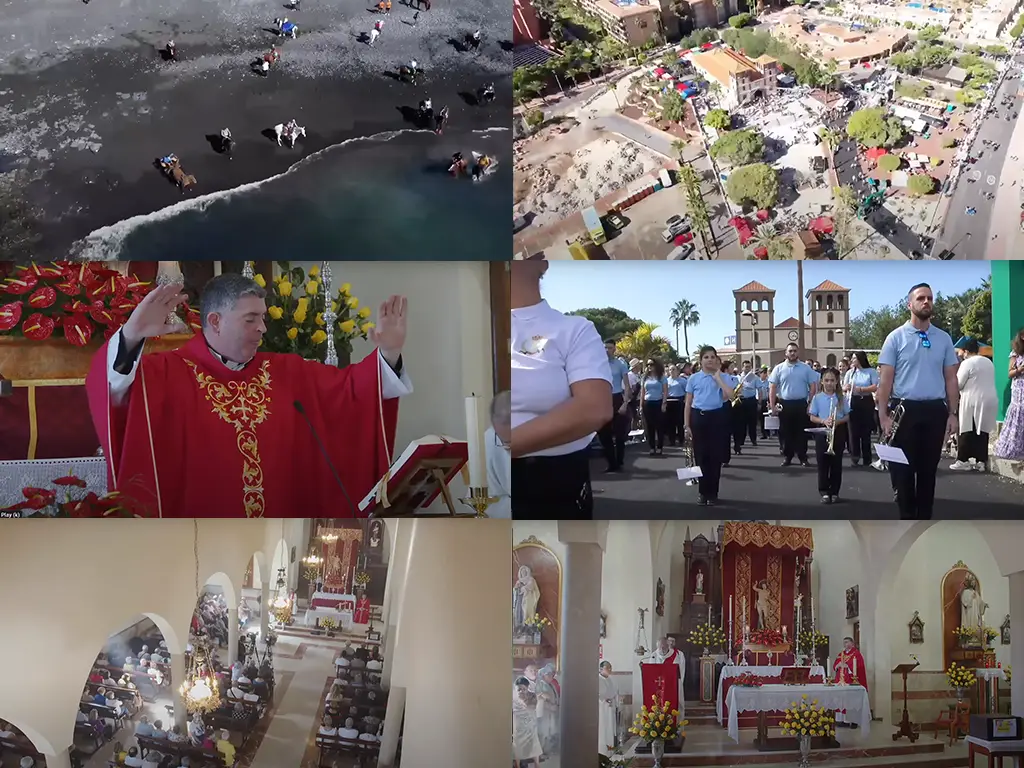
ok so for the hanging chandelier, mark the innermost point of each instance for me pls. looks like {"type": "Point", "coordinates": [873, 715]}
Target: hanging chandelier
{"type": "Point", "coordinates": [641, 635]}
{"type": "Point", "coordinates": [281, 599]}
{"type": "Point", "coordinates": [199, 690]}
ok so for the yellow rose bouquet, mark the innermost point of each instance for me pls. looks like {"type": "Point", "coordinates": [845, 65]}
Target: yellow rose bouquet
{"type": "Point", "coordinates": [812, 639]}
{"type": "Point", "coordinates": [538, 623]}
{"type": "Point", "coordinates": [362, 579]}
{"type": "Point", "coordinates": [296, 305]}
{"type": "Point", "coordinates": [1008, 668]}
{"type": "Point", "coordinates": [965, 633]}
{"type": "Point", "coordinates": [960, 677]}
{"type": "Point", "coordinates": [707, 636]}
{"type": "Point", "coordinates": [658, 721]}
{"type": "Point", "coordinates": [808, 718]}
{"type": "Point", "coordinates": [328, 625]}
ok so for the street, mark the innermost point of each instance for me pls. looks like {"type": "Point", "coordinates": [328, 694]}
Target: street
{"type": "Point", "coordinates": [755, 486]}
{"type": "Point", "coordinates": [969, 236]}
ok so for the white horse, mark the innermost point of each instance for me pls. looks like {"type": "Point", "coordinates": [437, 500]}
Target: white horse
{"type": "Point", "coordinates": [292, 131]}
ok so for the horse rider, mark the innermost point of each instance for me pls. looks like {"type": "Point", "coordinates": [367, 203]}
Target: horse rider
{"type": "Point", "coordinates": [169, 160]}
{"type": "Point", "coordinates": [440, 119]}
{"type": "Point", "coordinates": [481, 167]}
{"type": "Point", "coordinates": [474, 39]}
{"type": "Point", "coordinates": [458, 165]}
{"type": "Point", "coordinates": [379, 25]}
{"type": "Point", "coordinates": [426, 109]}
{"type": "Point", "coordinates": [172, 52]}
{"type": "Point", "coordinates": [380, 6]}
{"type": "Point", "coordinates": [487, 93]}
{"type": "Point", "coordinates": [226, 140]}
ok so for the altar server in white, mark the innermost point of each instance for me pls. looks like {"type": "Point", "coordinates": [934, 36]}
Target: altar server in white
{"type": "Point", "coordinates": [675, 656]}
{"type": "Point", "coordinates": [608, 702]}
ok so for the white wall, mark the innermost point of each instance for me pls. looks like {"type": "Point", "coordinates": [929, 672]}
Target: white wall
{"type": "Point", "coordinates": [919, 583]}
{"type": "Point", "coordinates": [448, 351]}
{"type": "Point", "coordinates": [837, 567]}
{"type": "Point", "coordinates": [544, 531]}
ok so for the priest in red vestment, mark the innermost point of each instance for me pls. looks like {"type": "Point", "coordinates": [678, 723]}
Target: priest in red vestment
{"type": "Point", "coordinates": [849, 669]}
{"type": "Point", "coordinates": [361, 615]}
{"type": "Point", "coordinates": [220, 429]}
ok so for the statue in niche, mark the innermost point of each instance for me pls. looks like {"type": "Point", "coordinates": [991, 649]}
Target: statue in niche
{"type": "Point", "coordinates": [972, 607]}
{"type": "Point", "coordinates": [375, 531]}
{"type": "Point", "coordinates": [762, 604]}
{"type": "Point", "coordinates": [700, 582]}
{"type": "Point", "coordinates": [525, 598]}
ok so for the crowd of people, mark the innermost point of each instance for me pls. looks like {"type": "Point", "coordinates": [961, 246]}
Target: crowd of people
{"type": "Point", "coordinates": [536, 697]}
{"type": "Point", "coordinates": [353, 715]}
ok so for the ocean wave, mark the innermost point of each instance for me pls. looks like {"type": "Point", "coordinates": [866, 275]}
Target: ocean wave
{"type": "Point", "coordinates": [496, 129]}
{"type": "Point", "coordinates": [105, 243]}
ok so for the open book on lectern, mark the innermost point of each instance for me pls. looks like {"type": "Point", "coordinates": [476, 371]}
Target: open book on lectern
{"type": "Point", "coordinates": [417, 477]}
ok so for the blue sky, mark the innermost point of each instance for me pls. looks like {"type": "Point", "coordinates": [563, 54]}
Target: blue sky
{"type": "Point", "coordinates": [647, 290]}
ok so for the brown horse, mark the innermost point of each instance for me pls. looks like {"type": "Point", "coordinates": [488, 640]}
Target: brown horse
{"type": "Point", "coordinates": [182, 179]}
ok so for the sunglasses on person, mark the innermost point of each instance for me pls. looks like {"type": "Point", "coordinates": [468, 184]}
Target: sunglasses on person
{"type": "Point", "coordinates": [924, 339]}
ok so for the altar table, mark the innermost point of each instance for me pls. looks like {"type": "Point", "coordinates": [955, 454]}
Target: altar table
{"type": "Point", "coordinates": [344, 618]}
{"type": "Point", "coordinates": [775, 698]}
{"type": "Point", "coordinates": [40, 473]}
{"type": "Point", "coordinates": [994, 751]}
{"type": "Point", "coordinates": [333, 600]}
{"type": "Point", "coordinates": [735, 670]}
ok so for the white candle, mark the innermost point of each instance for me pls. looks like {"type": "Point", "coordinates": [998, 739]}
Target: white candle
{"type": "Point", "coordinates": [812, 614]}
{"type": "Point", "coordinates": [218, 268]}
{"type": "Point", "coordinates": [474, 437]}
{"type": "Point", "coordinates": [709, 614]}
{"type": "Point", "coordinates": [855, 670]}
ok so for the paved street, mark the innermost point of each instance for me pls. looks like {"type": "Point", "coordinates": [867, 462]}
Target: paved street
{"type": "Point", "coordinates": [993, 167]}
{"type": "Point", "coordinates": [756, 486]}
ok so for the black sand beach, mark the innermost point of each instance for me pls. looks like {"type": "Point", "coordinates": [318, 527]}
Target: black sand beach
{"type": "Point", "coordinates": [87, 127]}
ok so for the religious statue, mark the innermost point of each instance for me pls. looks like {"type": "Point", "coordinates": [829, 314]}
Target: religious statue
{"type": "Point", "coordinates": [375, 534]}
{"type": "Point", "coordinates": [762, 604]}
{"type": "Point", "coordinates": [700, 582]}
{"type": "Point", "coordinates": [972, 607]}
{"type": "Point", "coordinates": [525, 598]}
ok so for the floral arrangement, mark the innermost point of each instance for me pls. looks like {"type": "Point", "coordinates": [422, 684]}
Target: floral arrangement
{"type": "Point", "coordinates": [965, 633]}
{"type": "Point", "coordinates": [805, 718]}
{"type": "Point", "coordinates": [658, 721]}
{"type": "Point", "coordinates": [766, 637]}
{"type": "Point", "coordinates": [67, 500]}
{"type": "Point", "coordinates": [748, 680]}
{"type": "Point", "coordinates": [991, 633]}
{"type": "Point", "coordinates": [295, 312]}
{"type": "Point", "coordinates": [812, 639]}
{"type": "Point", "coordinates": [707, 636]}
{"type": "Point", "coordinates": [75, 301]}
{"type": "Point", "coordinates": [284, 614]}
{"type": "Point", "coordinates": [537, 623]}
{"type": "Point", "coordinates": [1008, 669]}
{"type": "Point", "coordinates": [328, 625]}
{"type": "Point", "coordinates": [960, 677]}
{"type": "Point", "coordinates": [362, 579]}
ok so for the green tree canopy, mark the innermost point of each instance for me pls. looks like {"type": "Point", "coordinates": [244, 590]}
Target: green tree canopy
{"type": "Point", "coordinates": [905, 61]}
{"type": "Point", "coordinates": [610, 322]}
{"type": "Point", "coordinates": [719, 119]}
{"type": "Point", "coordinates": [933, 56]}
{"type": "Point", "coordinates": [888, 162]}
{"type": "Point", "coordinates": [978, 320]}
{"type": "Point", "coordinates": [739, 147]}
{"type": "Point", "coordinates": [921, 184]}
{"type": "Point", "coordinates": [872, 128]}
{"type": "Point", "coordinates": [757, 183]}
{"type": "Point", "coordinates": [672, 106]}
{"type": "Point", "coordinates": [740, 20]}
{"type": "Point", "coordinates": [929, 32]}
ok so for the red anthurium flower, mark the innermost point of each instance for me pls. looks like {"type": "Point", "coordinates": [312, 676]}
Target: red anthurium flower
{"type": "Point", "coordinates": [123, 306]}
{"type": "Point", "coordinates": [42, 298]}
{"type": "Point", "coordinates": [102, 315]}
{"type": "Point", "coordinates": [10, 314]}
{"type": "Point", "coordinates": [22, 284]}
{"type": "Point", "coordinates": [77, 330]}
{"type": "Point", "coordinates": [38, 498]}
{"type": "Point", "coordinates": [69, 287]}
{"type": "Point", "coordinates": [102, 273]}
{"type": "Point", "coordinates": [46, 271]}
{"type": "Point", "coordinates": [109, 331]}
{"type": "Point", "coordinates": [70, 480]}
{"type": "Point", "coordinates": [135, 285]}
{"type": "Point", "coordinates": [78, 307]}
{"type": "Point", "coordinates": [37, 327]}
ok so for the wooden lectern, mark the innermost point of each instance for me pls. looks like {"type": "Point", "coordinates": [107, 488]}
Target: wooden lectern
{"type": "Point", "coordinates": [906, 727]}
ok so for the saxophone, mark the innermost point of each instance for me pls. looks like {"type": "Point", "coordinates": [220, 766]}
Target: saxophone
{"type": "Point", "coordinates": [737, 394]}
{"type": "Point", "coordinates": [897, 416]}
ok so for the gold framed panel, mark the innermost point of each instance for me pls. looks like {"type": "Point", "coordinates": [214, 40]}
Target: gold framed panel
{"type": "Point", "coordinates": [534, 542]}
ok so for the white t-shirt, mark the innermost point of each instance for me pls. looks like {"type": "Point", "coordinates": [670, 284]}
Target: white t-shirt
{"type": "Point", "coordinates": [133, 762]}
{"type": "Point", "coordinates": [348, 733]}
{"type": "Point", "coordinates": [551, 352]}
{"type": "Point", "coordinates": [368, 737]}
{"type": "Point", "coordinates": [499, 482]}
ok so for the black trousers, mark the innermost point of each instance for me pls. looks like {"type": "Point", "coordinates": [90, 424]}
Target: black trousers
{"type": "Point", "coordinates": [674, 421]}
{"type": "Point", "coordinates": [830, 468]}
{"type": "Point", "coordinates": [613, 435]}
{"type": "Point", "coordinates": [744, 423]}
{"type": "Point", "coordinates": [761, 407]}
{"type": "Point", "coordinates": [552, 487]}
{"type": "Point", "coordinates": [862, 426]}
{"type": "Point", "coordinates": [792, 423]}
{"type": "Point", "coordinates": [708, 454]}
{"type": "Point", "coordinates": [654, 424]}
{"type": "Point", "coordinates": [920, 437]}
{"type": "Point", "coordinates": [972, 445]}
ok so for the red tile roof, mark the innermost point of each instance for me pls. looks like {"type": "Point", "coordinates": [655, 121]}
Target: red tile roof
{"type": "Point", "coordinates": [754, 287]}
{"type": "Point", "coordinates": [790, 322]}
{"type": "Point", "coordinates": [828, 285]}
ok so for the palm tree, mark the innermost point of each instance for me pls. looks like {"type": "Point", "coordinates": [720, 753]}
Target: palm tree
{"type": "Point", "coordinates": [684, 314]}
{"type": "Point", "coordinates": [614, 92]}
{"type": "Point", "coordinates": [643, 343]}
{"type": "Point", "coordinates": [778, 245]}
{"type": "Point", "coordinates": [678, 146]}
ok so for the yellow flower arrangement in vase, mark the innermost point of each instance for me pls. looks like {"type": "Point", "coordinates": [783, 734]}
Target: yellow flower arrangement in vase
{"type": "Point", "coordinates": [657, 723]}
{"type": "Point", "coordinates": [807, 719]}
{"type": "Point", "coordinates": [960, 678]}
{"type": "Point", "coordinates": [328, 625]}
{"type": "Point", "coordinates": [362, 579]}
{"type": "Point", "coordinates": [707, 637]}
{"type": "Point", "coordinates": [296, 305]}
{"type": "Point", "coordinates": [964, 635]}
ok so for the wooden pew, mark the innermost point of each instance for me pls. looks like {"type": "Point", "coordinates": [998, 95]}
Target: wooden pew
{"type": "Point", "coordinates": [106, 712]}
{"type": "Point", "coordinates": [334, 745]}
{"type": "Point", "coordinates": [178, 748]}
{"type": "Point", "coordinates": [88, 732]}
{"type": "Point", "coordinates": [124, 694]}
{"type": "Point", "coordinates": [21, 747]}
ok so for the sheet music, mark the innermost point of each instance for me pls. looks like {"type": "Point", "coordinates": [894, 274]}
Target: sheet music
{"type": "Point", "coordinates": [889, 453]}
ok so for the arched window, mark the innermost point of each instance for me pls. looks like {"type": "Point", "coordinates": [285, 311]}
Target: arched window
{"type": "Point", "coordinates": [830, 361]}
{"type": "Point", "coordinates": [830, 319]}
{"type": "Point", "coordinates": [839, 301]}
{"type": "Point", "coordinates": [828, 301]}
{"type": "Point", "coordinates": [831, 335]}
{"type": "Point", "coordinates": [817, 302]}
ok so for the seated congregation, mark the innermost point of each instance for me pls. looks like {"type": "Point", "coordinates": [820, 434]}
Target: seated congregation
{"type": "Point", "coordinates": [352, 717]}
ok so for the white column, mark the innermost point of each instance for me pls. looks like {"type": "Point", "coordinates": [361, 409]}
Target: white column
{"type": "Point", "coordinates": [63, 760]}
{"type": "Point", "coordinates": [452, 638]}
{"type": "Point", "coordinates": [232, 635]}
{"type": "Point", "coordinates": [394, 588]}
{"type": "Point", "coordinates": [876, 648]}
{"type": "Point", "coordinates": [1017, 646]}
{"type": "Point", "coordinates": [580, 638]}
{"type": "Point", "coordinates": [392, 728]}
{"type": "Point", "coordinates": [177, 678]}
{"type": "Point", "coordinates": [264, 610]}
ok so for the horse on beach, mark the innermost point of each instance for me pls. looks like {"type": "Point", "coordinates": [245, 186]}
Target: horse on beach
{"type": "Point", "coordinates": [291, 131]}
{"type": "Point", "coordinates": [171, 168]}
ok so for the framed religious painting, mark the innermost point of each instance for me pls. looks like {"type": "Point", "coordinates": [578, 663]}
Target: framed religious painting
{"type": "Point", "coordinates": [1004, 631]}
{"type": "Point", "coordinates": [916, 629]}
{"type": "Point", "coordinates": [853, 602]}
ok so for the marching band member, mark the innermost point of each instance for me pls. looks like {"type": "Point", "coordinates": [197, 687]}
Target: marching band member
{"type": "Point", "coordinates": [674, 412]}
{"type": "Point", "coordinates": [745, 423]}
{"type": "Point", "coordinates": [918, 370]}
{"type": "Point", "coordinates": [860, 384]}
{"type": "Point", "coordinates": [830, 409]}
{"type": "Point", "coordinates": [762, 399]}
{"type": "Point", "coordinates": [792, 384]}
{"type": "Point", "coordinates": [653, 403]}
{"type": "Point", "coordinates": [706, 419]}
{"type": "Point", "coordinates": [561, 396]}
{"type": "Point", "coordinates": [613, 434]}
{"type": "Point", "coordinates": [731, 414]}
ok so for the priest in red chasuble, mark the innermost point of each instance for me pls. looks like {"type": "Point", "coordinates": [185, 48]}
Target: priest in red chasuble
{"type": "Point", "coordinates": [361, 615]}
{"type": "Point", "coordinates": [849, 669]}
{"type": "Point", "coordinates": [219, 429]}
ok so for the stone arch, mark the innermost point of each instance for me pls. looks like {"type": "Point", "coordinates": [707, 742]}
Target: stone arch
{"type": "Point", "coordinates": [222, 580]}
{"type": "Point", "coordinates": [278, 559]}
{"type": "Point", "coordinates": [260, 573]}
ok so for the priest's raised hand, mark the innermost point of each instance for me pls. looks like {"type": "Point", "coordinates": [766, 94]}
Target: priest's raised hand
{"type": "Point", "coordinates": [218, 428]}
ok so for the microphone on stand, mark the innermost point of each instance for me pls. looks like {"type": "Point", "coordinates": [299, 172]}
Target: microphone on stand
{"type": "Point", "coordinates": [323, 452]}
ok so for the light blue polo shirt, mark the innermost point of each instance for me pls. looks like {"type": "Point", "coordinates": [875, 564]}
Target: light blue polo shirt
{"type": "Point", "coordinates": [619, 368]}
{"type": "Point", "coordinates": [821, 406]}
{"type": "Point", "coordinates": [707, 395]}
{"type": "Point", "coordinates": [749, 384]}
{"type": "Point", "coordinates": [677, 387]}
{"type": "Point", "coordinates": [793, 381]}
{"type": "Point", "coordinates": [862, 378]}
{"type": "Point", "coordinates": [919, 370]}
{"type": "Point", "coordinates": [652, 389]}
{"type": "Point", "coordinates": [762, 388]}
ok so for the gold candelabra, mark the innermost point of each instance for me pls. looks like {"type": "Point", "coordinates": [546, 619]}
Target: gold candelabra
{"type": "Point", "coordinates": [479, 500]}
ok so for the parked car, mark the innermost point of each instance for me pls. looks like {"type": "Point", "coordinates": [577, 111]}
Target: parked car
{"type": "Point", "coordinates": [519, 223]}
{"type": "Point", "coordinates": [614, 220]}
{"type": "Point", "coordinates": [676, 225]}
{"type": "Point", "coordinates": [684, 251]}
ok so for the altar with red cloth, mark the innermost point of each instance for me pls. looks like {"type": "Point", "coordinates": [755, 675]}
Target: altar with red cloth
{"type": "Point", "coordinates": [333, 601]}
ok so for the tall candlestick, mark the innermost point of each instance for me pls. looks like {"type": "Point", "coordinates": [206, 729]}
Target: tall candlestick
{"type": "Point", "coordinates": [474, 437]}
{"type": "Point", "coordinates": [709, 615]}
{"type": "Point", "coordinates": [812, 613]}
{"type": "Point", "coordinates": [855, 678]}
